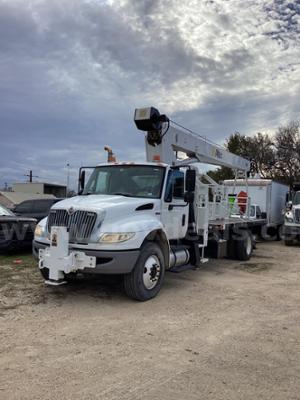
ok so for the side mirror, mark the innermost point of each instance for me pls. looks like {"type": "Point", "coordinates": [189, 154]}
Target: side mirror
{"type": "Point", "coordinates": [189, 197]}
{"type": "Point", "coordinates": [169, 194]}
{"type": "Point", "coordinates": [190, 180]}
{"type": "Point", "coordinates": [81, 180]}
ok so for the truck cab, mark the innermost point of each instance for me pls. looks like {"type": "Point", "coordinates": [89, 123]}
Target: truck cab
{"type": "Point", "coordinates": [292, 220]}
{"type": "Point", "coordinates": [121, 208]}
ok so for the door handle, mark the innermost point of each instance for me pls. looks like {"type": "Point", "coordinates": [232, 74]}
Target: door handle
{"type": "Point", "coordinates": [171, 206]}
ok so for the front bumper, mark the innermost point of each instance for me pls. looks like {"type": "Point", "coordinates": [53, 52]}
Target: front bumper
{"type": "Point", "coordinates": [107, 262]}
{"type": "Point", "coordinates": [291, 231]}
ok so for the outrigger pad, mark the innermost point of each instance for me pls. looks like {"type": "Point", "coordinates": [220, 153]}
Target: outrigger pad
{"type": "Point", "coordinates": [59, 260]}
{"type": "Point", "coordinates": [52, 282]}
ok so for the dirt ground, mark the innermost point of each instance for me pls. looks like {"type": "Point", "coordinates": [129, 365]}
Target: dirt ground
{"type": "Point", "coordinates": [228, 331]}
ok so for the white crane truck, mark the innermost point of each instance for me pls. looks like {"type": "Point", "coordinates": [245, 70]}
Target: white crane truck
{"type": "Point", "coordinates": [142, 219]}
{"type": "Point", "coordinates": [291, 229]}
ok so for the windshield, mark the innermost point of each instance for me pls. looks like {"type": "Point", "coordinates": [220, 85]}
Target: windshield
{"type": "Point", "coordinates": [5, 211]}
{"type": "Point", "coordinates": [126, 180]}
{"type": "Point", "coordinates": [296, 201]}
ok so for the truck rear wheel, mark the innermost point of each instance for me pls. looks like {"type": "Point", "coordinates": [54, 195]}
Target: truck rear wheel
{"type": "Point", "coordinates": [145, 280]}
{"type": "Point", "coordinates": [244, 246]}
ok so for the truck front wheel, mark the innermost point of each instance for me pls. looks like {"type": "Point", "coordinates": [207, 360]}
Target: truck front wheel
{"type": "Point", "coordinates": [145, 280]}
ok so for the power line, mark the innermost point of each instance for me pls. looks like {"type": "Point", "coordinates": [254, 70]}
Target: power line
{"type": "Point", "coordinates": [198, 134]}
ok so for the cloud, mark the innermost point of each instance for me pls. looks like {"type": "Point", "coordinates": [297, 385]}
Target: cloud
{"type": "Point", "coordinates": [72, 72]}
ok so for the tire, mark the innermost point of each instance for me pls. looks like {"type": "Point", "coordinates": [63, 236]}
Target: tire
{"type": "Point", "coordinates": [244, 247]}
{"type": "Point", "coordinates": [45, 273]}
{"type": "Point", "coordinates": [274, 233]}
{"type": "Point", "coordinates": [145, 280]}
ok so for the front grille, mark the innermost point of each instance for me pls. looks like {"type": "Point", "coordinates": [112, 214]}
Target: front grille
{"type": "Point", "coordinates": [80, 224]}
{"type": "Point", "coordinates": [297, 215]}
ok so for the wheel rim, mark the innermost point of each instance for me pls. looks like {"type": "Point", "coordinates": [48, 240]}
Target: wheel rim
{"type": "Point", "coordinates": [151, 274]}
{"type": "Point", "coordinates": [249, 245]}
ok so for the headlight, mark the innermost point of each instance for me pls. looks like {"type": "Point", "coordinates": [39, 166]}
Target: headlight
{"type": "Point", "coordinates": [39, 231]}
{"type": "Point", "coordinates": [116, 237]}
{"type": "Point", "coordinates": [289, 217]}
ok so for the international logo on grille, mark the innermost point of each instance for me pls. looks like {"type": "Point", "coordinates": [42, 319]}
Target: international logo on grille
{"type": "Point", "coordinates": [71, 211]}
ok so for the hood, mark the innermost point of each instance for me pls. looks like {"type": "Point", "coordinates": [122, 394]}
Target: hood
{"type": "Point", "coordinates": [12, 218]}
{"type": "Point", "coordinates": [101, 202]}
{"type": "Point", "coordinates": [110, 207]}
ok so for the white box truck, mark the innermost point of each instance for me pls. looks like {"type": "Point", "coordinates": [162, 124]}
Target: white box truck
{"type": "Point", "coordinates": [268, 201]}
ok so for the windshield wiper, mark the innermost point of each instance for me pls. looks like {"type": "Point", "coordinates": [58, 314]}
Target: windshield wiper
{"type": "Point", "coordinates": [88, 193]}
{"type": "Point", "coordinates": [122, 194]}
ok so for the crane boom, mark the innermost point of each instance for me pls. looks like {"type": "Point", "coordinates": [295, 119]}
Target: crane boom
{"type": "Point", "coordinates": [163, 142]}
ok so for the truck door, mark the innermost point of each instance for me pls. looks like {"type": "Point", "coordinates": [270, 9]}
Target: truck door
{"type": "Point", "coordinates": [174, 208]}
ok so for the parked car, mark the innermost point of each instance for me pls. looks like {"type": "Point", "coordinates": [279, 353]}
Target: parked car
{"type": "Point", "coordinates": [36, 208]}
{"type": "Point", "coordinates": [15, 232]}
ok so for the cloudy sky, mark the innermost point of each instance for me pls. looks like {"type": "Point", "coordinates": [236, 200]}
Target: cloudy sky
{"type": "Point", "coordinates": [72, 72]}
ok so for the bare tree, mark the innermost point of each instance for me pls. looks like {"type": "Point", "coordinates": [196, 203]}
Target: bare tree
{"type": "Point", "coordinates": [260, 150]}
{"type": "Point", "coordinates": [287, 143]}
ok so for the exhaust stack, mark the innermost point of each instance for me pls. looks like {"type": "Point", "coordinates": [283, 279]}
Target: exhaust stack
{"type": "Point", "coordinates": [110, 155]}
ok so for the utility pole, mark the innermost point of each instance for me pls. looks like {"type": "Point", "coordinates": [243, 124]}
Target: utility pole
{"type": "Point", "coordinates": [30, 176]}
{"type": "Point", "coordinates": [68, 178]}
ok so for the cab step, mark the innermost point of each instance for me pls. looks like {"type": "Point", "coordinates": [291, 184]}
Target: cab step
{"type": "Point", "coordinates": [182, 268]}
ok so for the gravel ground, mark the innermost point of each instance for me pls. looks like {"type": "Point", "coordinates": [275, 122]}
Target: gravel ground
{"type": "Point", "coordinates": [228, 331]}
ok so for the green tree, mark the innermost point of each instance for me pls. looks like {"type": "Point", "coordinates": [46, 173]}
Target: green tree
{"type": "Point", "coordinates": [258, 149]}
{"type": "Point", "coordinates": [236, 144]}
{"type": "Point", "coordinates": [275, 157]}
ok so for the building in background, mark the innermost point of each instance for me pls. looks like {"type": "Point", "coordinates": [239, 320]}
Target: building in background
{"type": "Point", "coordinates": [40, 188]}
